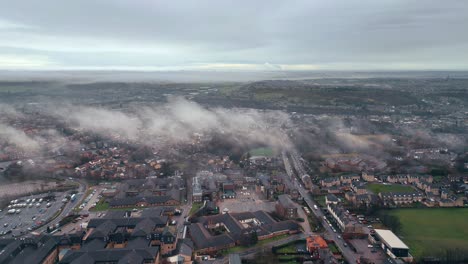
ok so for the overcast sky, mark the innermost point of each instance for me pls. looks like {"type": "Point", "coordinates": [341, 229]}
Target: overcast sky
{"type": "Point", "coordinates": [234, 35]}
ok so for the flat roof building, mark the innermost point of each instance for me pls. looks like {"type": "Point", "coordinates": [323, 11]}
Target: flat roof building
{"type": "Point", "coordinates": [392, 244]}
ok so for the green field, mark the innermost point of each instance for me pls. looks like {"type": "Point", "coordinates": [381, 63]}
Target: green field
{"type": "Point", "coordinates": [288, 249]}
{"type": "Point", "coordinates": [320, 199]}
{"type": "Point", "coordinates": [381, 188]}
{"type": "Point", "coordinates": [195, 207]}
{"type": "Point", "coordinates": [267, 152]}
{"type": "Point", "coordinates": [432, 230]}
{"type": "Point", "coordinates": [101, 206]}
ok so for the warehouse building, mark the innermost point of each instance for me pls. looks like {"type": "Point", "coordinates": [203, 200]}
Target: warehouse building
{"type": "Point", "coordinates": [392, 245]}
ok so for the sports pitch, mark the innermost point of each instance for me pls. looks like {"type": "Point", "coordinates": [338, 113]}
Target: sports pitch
{"type": "Point", "coordinates": [431, 230]}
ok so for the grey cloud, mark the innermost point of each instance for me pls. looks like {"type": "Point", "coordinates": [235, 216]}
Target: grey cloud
{"type": "Point", "coordinates": [330, 34]}
{"type": "Point", "coordinates": [18, 138]}
{"type": "Point", "coordinates": [178, 121]}
{"type": "Point", "coordinates": [102, 121]}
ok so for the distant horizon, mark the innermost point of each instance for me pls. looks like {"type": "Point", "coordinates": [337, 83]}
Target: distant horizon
{"type": "Point", "coordinates": [137, 70]}
{"type": "Point", "coordinates": [214, 75]}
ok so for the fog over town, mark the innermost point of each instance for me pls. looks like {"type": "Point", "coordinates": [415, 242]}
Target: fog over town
{"type": "Point", "coordinates": [219, 132]}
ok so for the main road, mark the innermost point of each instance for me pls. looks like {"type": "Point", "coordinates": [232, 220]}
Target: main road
{"type": "Point", "coordinates": [348, 254]}
{"type": "Point", "coordinates": [68, 206]}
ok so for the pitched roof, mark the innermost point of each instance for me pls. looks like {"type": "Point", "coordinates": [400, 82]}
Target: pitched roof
{"type": "Point", "coordinates": [203, 239]}
{"type": "Point", "coordinates": [281, 226]}
{"type": "Point", "coordinates": [29, 250]}
{"type": "Point", "coordinates": [285, 201]}
{"type": "Point", "coordinates": [332, 198]}
{"type": "Point", "coordinates": [266, 225]}
{"type": "Point", "coordinates": [115, 255]}
{"type": "Point", "coordinates": [185, 247]}
{"type": "Point", "coordinates": [131, 201]}
{"type": "Point", "coordinates": [138, 242]}
{"type": "Point", "coordinates": [103, 229]}
{"type": "Point", "coordinates": [144, 227]}
{"type": "Point", "coordinates": [263, 217]}
{"type": "Point", "coordinates": [127, 221]}
{"type": "Point", "coordinates": [94, 244]}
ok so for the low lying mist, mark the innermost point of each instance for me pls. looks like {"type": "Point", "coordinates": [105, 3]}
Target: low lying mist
{"type": "Point", "coordinates": [179, 121]}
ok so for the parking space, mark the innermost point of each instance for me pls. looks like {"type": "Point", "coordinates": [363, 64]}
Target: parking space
{"type": "Point", "coordinates": [25, 214]}
{"type": "Point", "coordinates": [246, 201]}
{"type": "Point", "coordinates": [367, 250]}
{"type": "Point", "coordinates": [91, 199]}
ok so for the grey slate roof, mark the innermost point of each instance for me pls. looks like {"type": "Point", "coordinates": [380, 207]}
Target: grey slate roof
{"type": "Point", "coordinates": [203, 239]}
{"type": "Point", "coordinates": [111, 256]}
{"type": "Point", "coordinates": [185, 247]}
{"type": "Point", "coordinates": [144, 227]}
{"type": "Point", "coordinates": [138, 242]}
{"type": "Point", "coordinates": [131, 201]}
{"type": "Point", "coordinates": [126, 222]}
{"type": "Point", "coordinates": [285, 201]}
{"type": "Point", "coordinates": [30, 250]}
{"type": "Point", "coordinates": [94, 244]}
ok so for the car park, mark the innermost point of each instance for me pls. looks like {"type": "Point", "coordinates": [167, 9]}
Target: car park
{"type": "Point", "coordinates": [22, 216]}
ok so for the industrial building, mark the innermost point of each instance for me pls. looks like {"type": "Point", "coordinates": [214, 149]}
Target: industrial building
{"type": "Point", "coordinates": [392, 245]}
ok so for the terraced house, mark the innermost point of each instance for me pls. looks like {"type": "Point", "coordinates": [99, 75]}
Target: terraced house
{"type": "Point", "coordinates": [400, 198]}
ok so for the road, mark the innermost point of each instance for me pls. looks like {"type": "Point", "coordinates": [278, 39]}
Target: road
{"type": "Point", "coordinates": [69, 206]}
{"type": "Point", "coordinates": [185, 209]}
{"type": "Point", "coordinates": [348, 254]}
